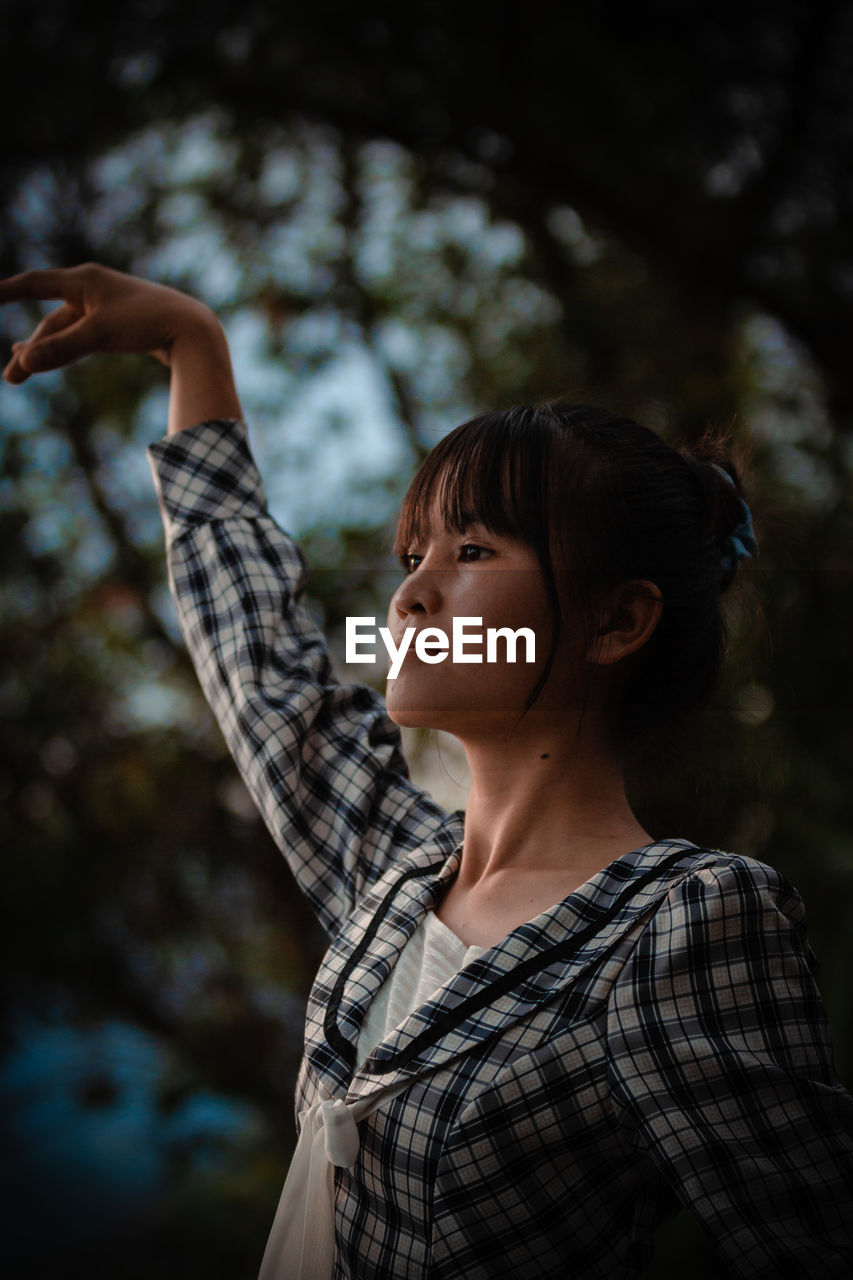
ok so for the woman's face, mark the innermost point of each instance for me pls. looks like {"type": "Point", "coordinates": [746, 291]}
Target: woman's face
{"type": "Point", "coordinates": [498, 579]}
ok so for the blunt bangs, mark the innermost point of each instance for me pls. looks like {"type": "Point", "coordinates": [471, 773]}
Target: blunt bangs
{"type": "Point", "coordinates": [494, 468]}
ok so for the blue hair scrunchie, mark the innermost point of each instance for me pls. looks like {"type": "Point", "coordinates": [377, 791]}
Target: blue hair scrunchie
{"type": "Point", "coordinates": [742, 544]}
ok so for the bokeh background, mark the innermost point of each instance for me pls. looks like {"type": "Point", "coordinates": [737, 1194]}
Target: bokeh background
{"type": "Point", "coordinates": [403, 214]}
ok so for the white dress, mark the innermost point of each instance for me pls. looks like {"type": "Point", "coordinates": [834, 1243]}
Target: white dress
{"type": "Point", "coordinates": [301, 1245]}
{"type": "Point", "coordinates": [431, 957]}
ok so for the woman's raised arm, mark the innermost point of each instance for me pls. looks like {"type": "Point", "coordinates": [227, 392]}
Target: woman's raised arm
{"type": "Point", "coordinates": [107, 311]}
{"type": "Point", "coordinates": [322, 760]}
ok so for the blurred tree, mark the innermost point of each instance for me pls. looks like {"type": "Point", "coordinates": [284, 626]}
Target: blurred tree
{"type": "Point", "coordinates": [403, 215]}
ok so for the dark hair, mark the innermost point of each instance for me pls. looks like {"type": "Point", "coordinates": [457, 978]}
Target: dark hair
{"type": "Point", "coordinates": [602, 500]}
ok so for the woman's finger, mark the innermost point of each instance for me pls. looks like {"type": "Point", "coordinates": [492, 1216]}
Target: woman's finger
{"type": "Point", "coordinates": [58, 349]}
{"type": "Point", "coordinates": [58, 282]}
{"type": "Point", "coordinates": [55, 322]}
{"type": "Point", "coordinates": [72, 342]}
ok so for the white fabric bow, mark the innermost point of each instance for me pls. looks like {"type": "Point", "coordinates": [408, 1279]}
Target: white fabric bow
{"type": "Point", "coordinates": [301, 1244]}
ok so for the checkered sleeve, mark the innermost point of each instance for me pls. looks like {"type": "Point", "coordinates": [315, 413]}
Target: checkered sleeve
{"type": "Point", "coordinates": [721, 1064]}
{"type": "Point", "coordinates": [321, 759]}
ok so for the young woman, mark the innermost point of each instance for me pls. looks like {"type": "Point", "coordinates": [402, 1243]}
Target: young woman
{"type": "Point", "coordinates": [538, 1030]}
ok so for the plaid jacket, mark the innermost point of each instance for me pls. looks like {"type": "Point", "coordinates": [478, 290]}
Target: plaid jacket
{"type": "Point", "coordinates": [655, 1039]}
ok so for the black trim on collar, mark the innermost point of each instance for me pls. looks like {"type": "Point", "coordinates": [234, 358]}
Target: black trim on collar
{"type": "Point", "coordinates": [330, 1024]}
{"type": "Point", "coordinates": [560, 951]}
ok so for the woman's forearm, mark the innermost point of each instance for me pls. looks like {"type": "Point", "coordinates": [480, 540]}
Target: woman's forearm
{"type": "Point", "coordinates": [202, 380]}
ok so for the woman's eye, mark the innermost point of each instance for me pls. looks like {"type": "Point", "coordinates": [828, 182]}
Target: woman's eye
{"type": "Point", "coordinates": [470, 553]}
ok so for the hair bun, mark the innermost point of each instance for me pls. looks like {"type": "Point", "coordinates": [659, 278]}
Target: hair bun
{"type": "Point", "coordinates": [741, 543]}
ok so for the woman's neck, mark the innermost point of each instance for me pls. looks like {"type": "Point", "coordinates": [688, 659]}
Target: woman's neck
{"type": "Point", "coordinates": [542, 805]}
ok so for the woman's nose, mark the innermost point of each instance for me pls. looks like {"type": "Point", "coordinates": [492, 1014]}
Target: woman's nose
{"type": "Point", "coordinates": [419, 593]}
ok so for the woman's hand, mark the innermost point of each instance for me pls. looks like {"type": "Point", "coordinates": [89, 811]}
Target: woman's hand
{"type": "Point", "coordinates": [103, 310]}
{"type": "Point", "coordinates": [107, 311]}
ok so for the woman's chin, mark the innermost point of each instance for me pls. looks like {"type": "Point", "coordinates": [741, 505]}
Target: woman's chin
{"type": "Point", "coordinates": [461, 721]}
{"type": "Point", "coordinates": [408, 714]}
{"type": "Point", "coordinates": [409, 719]}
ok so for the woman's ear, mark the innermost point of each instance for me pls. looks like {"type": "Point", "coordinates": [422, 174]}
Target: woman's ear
{"type": "Point", "coordinates": [629, 616]}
